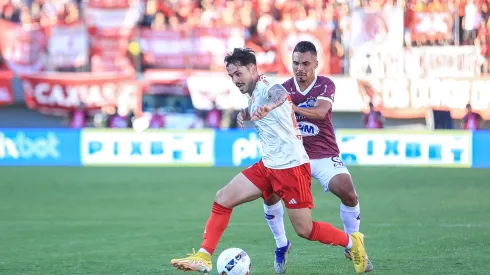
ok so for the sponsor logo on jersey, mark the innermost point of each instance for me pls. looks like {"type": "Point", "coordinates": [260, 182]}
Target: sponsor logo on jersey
{"type": "Point", "coordinates": [263, 79]}
{"type": "Point", "coordinates": [308, 129]}
{"type": "Point", "coordinates": [310, 102]}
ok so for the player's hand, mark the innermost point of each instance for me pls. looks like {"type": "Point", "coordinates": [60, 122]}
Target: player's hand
{"type": "Point", "coordinates": [240, 118]}
{"type": "Point", "coordinates": [261, 112]}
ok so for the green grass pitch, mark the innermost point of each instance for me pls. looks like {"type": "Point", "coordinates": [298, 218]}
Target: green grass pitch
{"type": "Point", "coordinates": [134, 220]}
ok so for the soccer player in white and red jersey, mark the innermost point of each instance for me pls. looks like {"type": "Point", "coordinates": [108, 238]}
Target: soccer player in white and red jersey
{"type": "Point", "coordinates": [284, 169]}
{"type": "Point", "coordinates": [313, 97]}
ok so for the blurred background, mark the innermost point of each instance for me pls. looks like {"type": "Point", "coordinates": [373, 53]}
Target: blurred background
{"type": "Point", "coordinates": [101, 63]}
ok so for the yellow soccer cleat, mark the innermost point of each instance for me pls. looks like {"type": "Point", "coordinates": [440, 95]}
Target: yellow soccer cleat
{"type": "Point", "coordinates": [197, 262]}
{"type": "Point", "coordinates": [358, 254]}
{"type": "Point", "coordinates": [370, 266]}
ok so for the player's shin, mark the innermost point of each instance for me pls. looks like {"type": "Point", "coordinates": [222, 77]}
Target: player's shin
{"type": "Point", "coordinates": [274, 215]}
{"type": "Point", "coordinates": [328, 234]}
{"type": "Point", "coordinates": [216, 225]}
{"type": "Point", "coordinates": [351, 217]}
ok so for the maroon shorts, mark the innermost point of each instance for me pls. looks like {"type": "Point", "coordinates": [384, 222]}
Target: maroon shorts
{"type": "Point", "coordinates": [293, 185]}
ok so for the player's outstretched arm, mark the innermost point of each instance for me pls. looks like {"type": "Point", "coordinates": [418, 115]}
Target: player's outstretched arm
{"type": "Point", "coordinates": [319, 111]}
{"type": "Point", "coordinates": [277, 96]}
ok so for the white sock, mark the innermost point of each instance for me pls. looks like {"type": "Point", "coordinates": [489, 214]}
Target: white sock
{"type": "Point", "coordinates": [274, 216]}
{"type": "Point", "coordinates": [204, 251]}
{"type": "Point", "coordinates": [351, 217]}
{"type": "Point", "coordinates": [349, 246]}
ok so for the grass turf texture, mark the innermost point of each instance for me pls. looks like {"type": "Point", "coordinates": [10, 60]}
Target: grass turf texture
{"type": "Point", "coordinates": [134, 220]}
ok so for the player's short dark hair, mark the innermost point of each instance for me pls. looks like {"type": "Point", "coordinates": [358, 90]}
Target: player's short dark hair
{"type": "Point", "coordinates": [241, 57]}
{"type": "Point", "coordinates": [468, 106]}
{"type": "Point", "coordinates": [304, 47]}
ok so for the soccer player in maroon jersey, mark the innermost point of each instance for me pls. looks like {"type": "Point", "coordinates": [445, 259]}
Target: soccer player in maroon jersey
{"type": "Point", "coordinates": [313, 97]}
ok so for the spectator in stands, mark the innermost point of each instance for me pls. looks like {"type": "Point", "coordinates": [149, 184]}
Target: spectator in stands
{"type": "Point", "coordinates": [119, 119]}
{"type": "Point", "coordinates": [373, 119]}
{"type": "Point", "coordinates": [72, 14]}
{"type": "Point", "coordinates": [482, 41]}
{"type": "Point", "coordinates": [199, 122]}
{"type": "Point", "coordinates": [213, 118]}
{"type": "Point", "coordinates": [471, 121]}
{"type": "Point", "coordinates": [159, 23]}
{"type": "Point", "coordinates": [484, 11]}
{"type": "Point", "coordinates": [101, 118]}
{"type": "Point", "coordinates": [157, 120]}
{"type": "Point", "coordinates": [25, 17]}
{"type": "Point", "coordinates": [261, 19]}
{"type": "Point", "coordinates": [149, 15]}
{"type": "Point", "coordinates": [470, 22]}
{"type": "Point", "coordinates": [11, 13]}
{"type": "Point", "coordinates": [437, 5]}
{"type": "Point", "coordinates": [78, 117]}
{"type": "Point", "coordinates": [336, 64]}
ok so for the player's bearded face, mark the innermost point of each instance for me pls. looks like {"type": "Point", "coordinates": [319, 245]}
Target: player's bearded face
{"type": "Point", "coordinates": [242, 77]}
{"type": "Point", "coordinates": [304, 65]}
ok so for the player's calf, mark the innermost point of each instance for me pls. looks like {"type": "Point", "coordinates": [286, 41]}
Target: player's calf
{"type": "Point", "coordinates": [350, 213]}
{"type": "Point", "coordinates": [301, 221]}
{"type": "Point", "coordinates": [341, 186]}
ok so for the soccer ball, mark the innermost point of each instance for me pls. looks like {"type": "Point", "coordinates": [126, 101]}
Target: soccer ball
{"type": "Point", "coordinates": [233, 261]}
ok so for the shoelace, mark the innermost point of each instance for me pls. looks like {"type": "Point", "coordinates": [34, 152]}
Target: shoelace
{"type": "Point", "coordinates": [356, 257]}
{"type": "Point", "coordinates": [193, 253]}
{"type": "Point", "coordinates": [280, 254]}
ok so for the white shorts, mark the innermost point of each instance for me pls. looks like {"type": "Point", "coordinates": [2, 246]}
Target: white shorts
{"type": "Point", "coordinates": [325, 169]}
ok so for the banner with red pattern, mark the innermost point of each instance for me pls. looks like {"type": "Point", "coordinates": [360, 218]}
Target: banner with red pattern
{"type": "Point", "coordinates": [110, 4]}
{"type": "Point", "coordinates": [6, 92]}
{"type": "Point", "coordinates": [111, 27]}
{"type": "Point", "coordinates": [22, 47]}
{"type": "Point", "coordinates": [376, 29]}
{"type": "Point", "coordinates": [193, 48]}
{"type": "Point", "coordinates": [432, 25]}
{"type": "Point", "coordinates": [274, 46]}
{"type": "Point", "coordinates": [413, 98]}
{"type": "Point", "coordinates": [68, 47]}
{"type": "Point", "coordinates": [59, 92]}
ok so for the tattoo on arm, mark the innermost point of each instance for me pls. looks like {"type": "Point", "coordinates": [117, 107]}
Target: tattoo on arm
{"type": "Point", "coordinates": [277, 95]}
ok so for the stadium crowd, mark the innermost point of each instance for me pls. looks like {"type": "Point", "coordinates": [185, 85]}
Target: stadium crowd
{"type": "Point", "coordinates": [260, 20]}
{"type": "Point", "coordinates": [260, 17]}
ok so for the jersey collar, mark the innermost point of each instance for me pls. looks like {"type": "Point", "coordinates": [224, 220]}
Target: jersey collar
{"type": "Point", "coordinates": [305, 92]}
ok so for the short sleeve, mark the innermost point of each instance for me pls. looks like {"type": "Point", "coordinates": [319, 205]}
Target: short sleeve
{"type": "Point", "coordinates": [328, 92]}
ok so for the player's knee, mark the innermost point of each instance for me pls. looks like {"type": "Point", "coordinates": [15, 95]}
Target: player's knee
{"type": "Point", "coordinates": [349, 198]}
{"type": "Point", "coordinates": [220, 198]}
{"type": "Point", "coordinates": [303, 230]}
